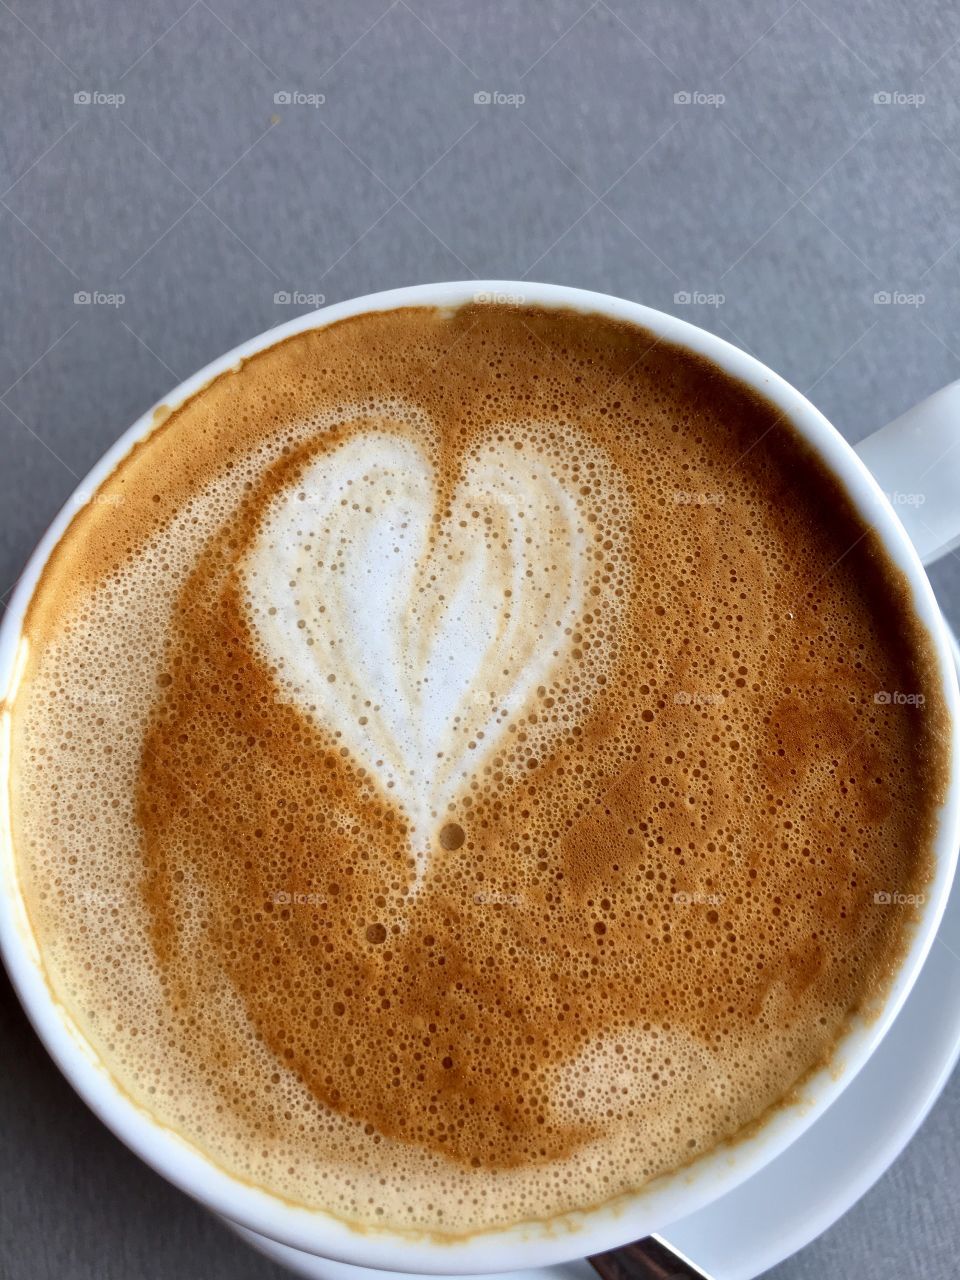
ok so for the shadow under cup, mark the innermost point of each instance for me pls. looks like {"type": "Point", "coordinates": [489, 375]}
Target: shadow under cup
{"type": "Point", "coordinates": [575, 1234]}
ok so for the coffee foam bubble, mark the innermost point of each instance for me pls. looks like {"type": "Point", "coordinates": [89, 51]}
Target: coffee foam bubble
{"type": "Point", "coordinates": [619, 897]}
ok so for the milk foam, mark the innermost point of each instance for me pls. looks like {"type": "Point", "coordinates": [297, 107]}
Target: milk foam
{"type": "Point", "coordinates": [412, 635]}
{"type": "Point", "coordinates": [668, 791]}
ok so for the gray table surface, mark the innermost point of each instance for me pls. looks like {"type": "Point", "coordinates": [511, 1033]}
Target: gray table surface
{"type": "Point", "coordinates": [781, 212]}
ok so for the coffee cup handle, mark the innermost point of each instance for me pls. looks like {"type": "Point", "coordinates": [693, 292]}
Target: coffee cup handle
{"type": "Point", "coordinates": [916, 461]}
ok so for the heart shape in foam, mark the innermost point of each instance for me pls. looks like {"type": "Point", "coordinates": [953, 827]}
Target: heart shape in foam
{"type": "Point", "coordinates": [413, 636]}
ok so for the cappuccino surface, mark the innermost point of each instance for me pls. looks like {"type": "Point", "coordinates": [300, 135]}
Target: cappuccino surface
{"type": "Point", "coordinates": [468, 763]}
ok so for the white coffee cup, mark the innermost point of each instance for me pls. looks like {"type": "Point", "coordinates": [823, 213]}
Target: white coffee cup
{"type": "Point", "coordinates": [915, 459]}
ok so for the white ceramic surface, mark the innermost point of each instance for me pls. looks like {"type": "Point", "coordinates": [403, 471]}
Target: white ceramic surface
{"type": "Point", "coordinates": [670, 1198]}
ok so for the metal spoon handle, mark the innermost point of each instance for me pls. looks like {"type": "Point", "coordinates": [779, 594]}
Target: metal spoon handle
{"type": "Point", "coordinates": [648, 1259]}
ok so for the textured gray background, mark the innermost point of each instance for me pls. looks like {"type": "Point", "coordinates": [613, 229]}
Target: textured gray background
{"type": "Point", "coordinates": [798, 199]}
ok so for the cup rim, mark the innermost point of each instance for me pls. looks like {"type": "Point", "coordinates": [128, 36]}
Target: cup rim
{"type": "Point", "coordinates": [632, 1214]}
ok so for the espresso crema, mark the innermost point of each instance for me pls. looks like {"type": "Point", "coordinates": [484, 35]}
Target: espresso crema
{"type": "Point", "coordinates": [471, 762]}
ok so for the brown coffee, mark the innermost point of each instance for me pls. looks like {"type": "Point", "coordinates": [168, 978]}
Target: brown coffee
{"type": "Point", "coordinates": [469, 763]}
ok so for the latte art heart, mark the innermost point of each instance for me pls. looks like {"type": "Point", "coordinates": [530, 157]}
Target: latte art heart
{"type": "Point", "coordinates": [415, 636]}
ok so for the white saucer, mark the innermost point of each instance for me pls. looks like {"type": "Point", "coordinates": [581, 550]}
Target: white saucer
{"type": "Point", "coordinates": [824, 1173]}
